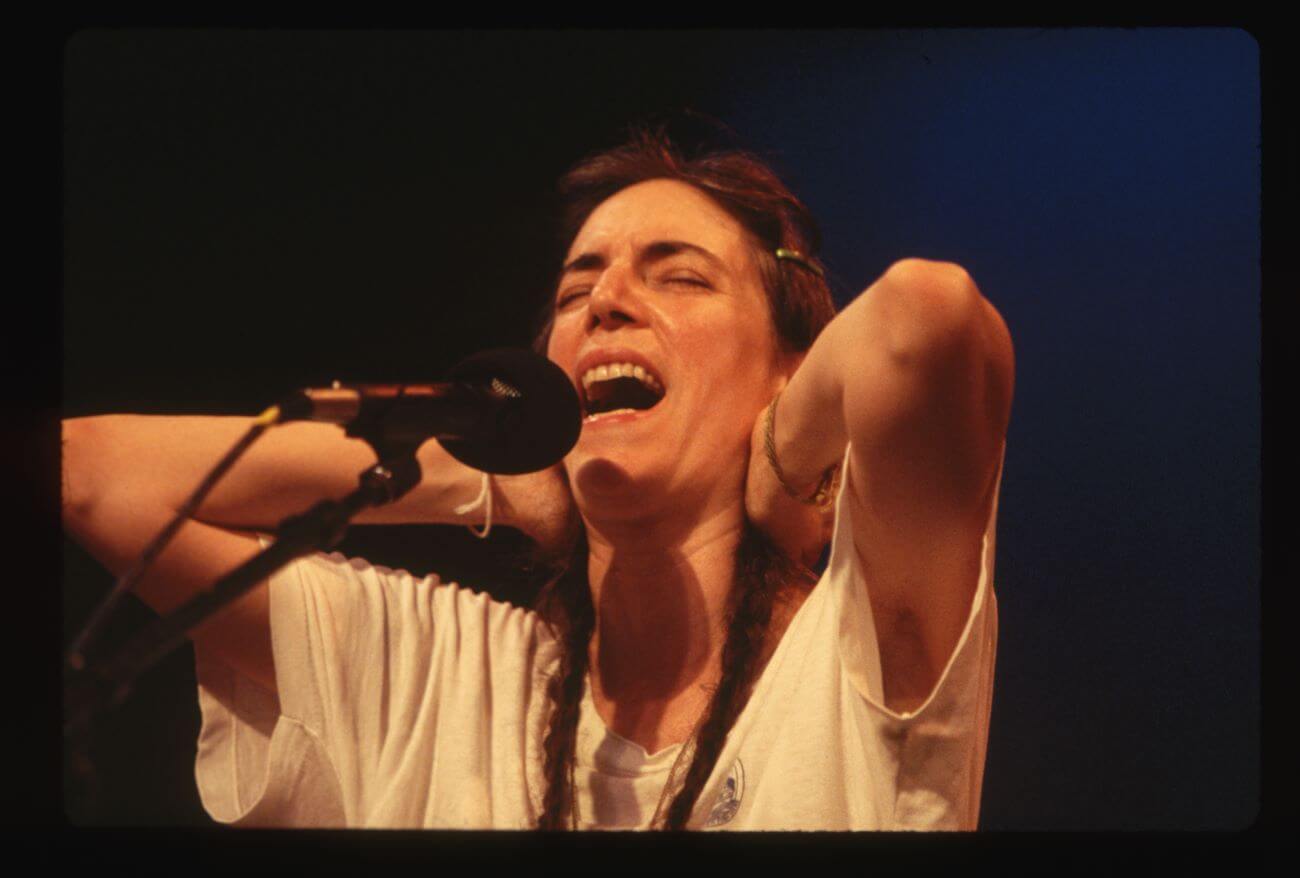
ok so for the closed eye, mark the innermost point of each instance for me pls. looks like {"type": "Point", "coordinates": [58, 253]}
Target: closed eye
{"type": "Point", "coordinates": [571, 296]}
{"type": "Point", "coordinates": [690, 280]}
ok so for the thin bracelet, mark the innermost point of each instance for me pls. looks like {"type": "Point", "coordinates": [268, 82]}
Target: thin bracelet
{"type": "Point", "coordinates": [824, 494]}
{"type": "Point", "coordinates": [484, 498]}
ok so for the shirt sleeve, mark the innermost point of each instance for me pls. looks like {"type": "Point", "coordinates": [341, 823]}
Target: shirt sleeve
{"type": "Point", "coordinates": [375, 669]}
{"type": "Point", "coordinates": [946, 737]}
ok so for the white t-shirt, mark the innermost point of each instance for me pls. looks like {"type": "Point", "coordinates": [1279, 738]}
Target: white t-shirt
{"type": "Point", "coordinates": [411, 703]}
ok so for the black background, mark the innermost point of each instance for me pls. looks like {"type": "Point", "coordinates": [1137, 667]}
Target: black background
{"type": "Point", "coordinates": [249, 211]}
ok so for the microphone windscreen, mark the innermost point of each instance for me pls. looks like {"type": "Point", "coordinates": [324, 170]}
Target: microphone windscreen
{"type": "Point", "coordinates": [540, 416]}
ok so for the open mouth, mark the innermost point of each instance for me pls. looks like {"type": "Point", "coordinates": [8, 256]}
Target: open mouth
{"type": "Point", "coordinates": [619, 387]}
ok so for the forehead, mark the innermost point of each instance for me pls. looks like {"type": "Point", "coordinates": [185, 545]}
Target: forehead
{"type": "Point", "coordinates": [661, 210]}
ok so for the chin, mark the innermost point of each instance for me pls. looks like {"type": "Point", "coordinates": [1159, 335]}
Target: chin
{"type": "Point", "coordinates": [602, 474]}
{"type": "Point", "coordinates": [614, 480]}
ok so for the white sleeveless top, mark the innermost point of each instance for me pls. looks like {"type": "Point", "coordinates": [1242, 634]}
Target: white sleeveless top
{"type": "Point", "coordinates": [411, 703]}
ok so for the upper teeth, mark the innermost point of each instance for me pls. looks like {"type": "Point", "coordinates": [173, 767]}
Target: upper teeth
{"type": "Point", "coordinates": [609, 371]}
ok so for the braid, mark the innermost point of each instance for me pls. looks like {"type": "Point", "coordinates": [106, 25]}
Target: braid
{"type": "Point", "coordinates": [800, 306]}
{"type": "Point", "coordinates": [762, 571]}
{"type": "Point", "coordinates": [565, 602]}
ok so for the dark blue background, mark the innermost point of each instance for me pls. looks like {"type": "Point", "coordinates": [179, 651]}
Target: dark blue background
{"type": "Point", "coordinates": [247, 212]}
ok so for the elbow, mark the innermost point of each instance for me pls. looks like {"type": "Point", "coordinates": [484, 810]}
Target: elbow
{"type": "Point", "coordinates": [75, 494]}
{"type": "Point", "coordinates": [937, 326]}
{"type": "Point", "coordinates": [934, 308]}
{"type": "Point", "coordinates": [82, 469]}
{"type": "Point", "coordinates": [930, 276]}
{"type": "Point", "coordinates": [939, 301]}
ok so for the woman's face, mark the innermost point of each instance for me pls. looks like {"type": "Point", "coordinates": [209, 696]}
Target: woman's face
{"type": "Point", "coordinates": [662, 278]}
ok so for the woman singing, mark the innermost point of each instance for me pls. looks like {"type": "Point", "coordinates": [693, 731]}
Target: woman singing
{"type": "Point", "coordinates": [682, 667]}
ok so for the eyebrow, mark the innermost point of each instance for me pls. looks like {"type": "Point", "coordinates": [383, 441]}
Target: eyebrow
{"type": "Point", "coordinates": [654, 251]}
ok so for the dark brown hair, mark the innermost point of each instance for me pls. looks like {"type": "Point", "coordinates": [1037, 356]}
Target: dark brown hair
{"type": "Point", "coordinates": [800, 305]}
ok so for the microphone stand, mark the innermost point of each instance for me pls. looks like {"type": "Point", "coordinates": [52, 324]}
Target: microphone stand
{"type": "Point", "coordinates": [105, 684]}
{"type": "Point", "coordinates": [528, 416]}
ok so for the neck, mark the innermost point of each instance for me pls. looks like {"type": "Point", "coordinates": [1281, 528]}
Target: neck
{"type": "Point", "coordinates": [661, 597]}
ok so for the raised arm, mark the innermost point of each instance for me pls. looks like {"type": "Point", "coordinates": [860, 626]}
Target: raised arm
{"type": "Point", "coordinates": [917, 374]}
{"type": "Point", "coordinates": [124, 477]}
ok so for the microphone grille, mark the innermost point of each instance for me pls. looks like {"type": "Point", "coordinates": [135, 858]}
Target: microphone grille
{"type": "Point", "coordinates": [538, 418]}
{"type": "Point", "coordinates": [501, 389]}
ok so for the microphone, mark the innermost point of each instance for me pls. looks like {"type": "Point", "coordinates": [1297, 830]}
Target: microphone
{"type": "Point", "coordinates": [505, 411]}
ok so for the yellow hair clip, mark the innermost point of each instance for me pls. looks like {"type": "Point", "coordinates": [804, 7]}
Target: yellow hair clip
{"type": "Point", "coordinates": [798, 259]}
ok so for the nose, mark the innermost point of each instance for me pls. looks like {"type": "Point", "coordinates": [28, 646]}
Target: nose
{"type": "Point", "coordinates": [615, 299]}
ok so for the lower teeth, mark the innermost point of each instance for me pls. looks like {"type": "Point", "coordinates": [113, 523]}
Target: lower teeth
{"type": "Point", "coordinates": [610, 412]}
